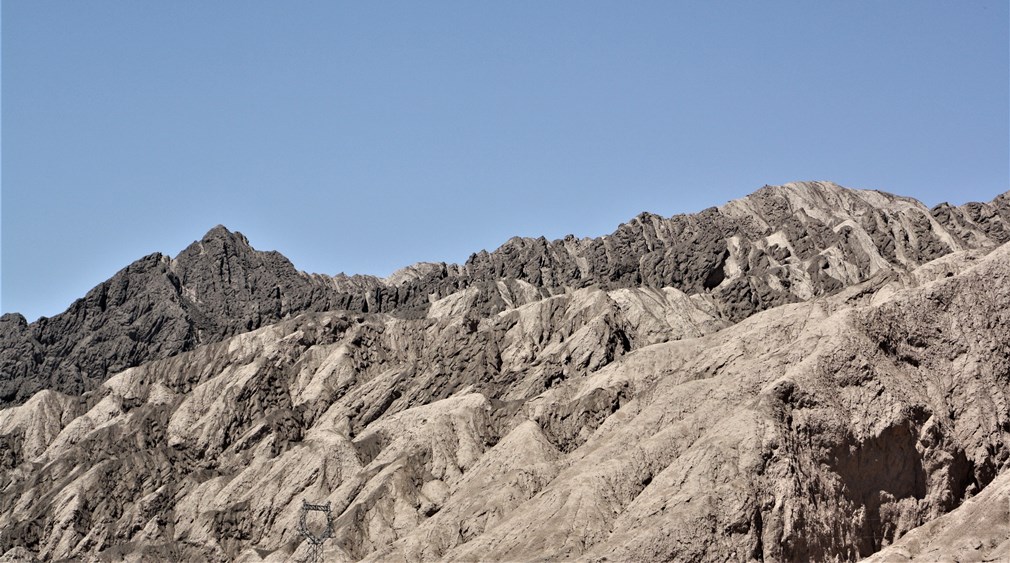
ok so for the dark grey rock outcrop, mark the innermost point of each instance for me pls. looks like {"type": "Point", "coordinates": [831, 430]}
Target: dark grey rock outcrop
{"type": "Point", "coordinates": [155, 308]}
{"type": "Point", "coordinates": [623, 425]}
{"type": "Point", "coordinates": [779, 245]}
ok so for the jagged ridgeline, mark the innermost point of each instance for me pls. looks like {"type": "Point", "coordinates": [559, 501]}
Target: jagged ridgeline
{"type": "Point", "coordinates": [807, 373]}
{"type": "Point", "coordinates": [779, 245]}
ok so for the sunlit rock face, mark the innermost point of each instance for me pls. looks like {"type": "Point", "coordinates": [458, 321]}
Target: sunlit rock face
{"type": "Point", "coordinates": [808, 373]}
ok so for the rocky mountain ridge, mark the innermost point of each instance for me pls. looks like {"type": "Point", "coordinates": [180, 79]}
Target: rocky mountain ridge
{"type": "Point", "coordinates": [781, 244]}
{"type": "Point", "coordinates": [601, 425]}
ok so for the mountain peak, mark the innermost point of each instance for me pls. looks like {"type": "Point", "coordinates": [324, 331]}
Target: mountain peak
{"type": "Point", "coordinates": [543, 356]}
{"type": "Point", "coordinates": [217, 231]}
{"type": "Point", "coordinates": [778, 245]}
{"type": "Point", "coordinates": [813, 184]}
{"type": "Point", "coordinates": [222, 233]}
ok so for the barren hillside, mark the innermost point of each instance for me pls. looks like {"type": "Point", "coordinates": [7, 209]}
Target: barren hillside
{"type": "Point", "coordinates": [807, 373]}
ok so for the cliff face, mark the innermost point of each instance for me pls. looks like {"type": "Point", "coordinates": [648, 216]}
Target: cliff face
{"type": "Point", "coordinates": [154, 308]}
{"type": "Point", "coordinates": [779, 245]}
{"type": "Point", "coordinates": [809, 373]}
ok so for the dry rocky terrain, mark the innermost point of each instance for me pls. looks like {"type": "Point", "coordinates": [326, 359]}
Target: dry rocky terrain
{"type": "Point", "coordinates": [809, 373]}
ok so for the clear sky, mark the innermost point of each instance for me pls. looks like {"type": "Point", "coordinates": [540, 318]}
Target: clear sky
{"type": "Point", "coordinates": [365, 136]}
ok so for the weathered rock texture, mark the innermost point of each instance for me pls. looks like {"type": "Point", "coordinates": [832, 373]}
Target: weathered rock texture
{"type": "Point", "coordinates": [810, 373]}
{"type": "Point", "coordinates": [781, 244]}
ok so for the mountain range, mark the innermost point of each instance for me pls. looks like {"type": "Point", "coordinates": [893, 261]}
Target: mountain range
{"type": "Point", "coordinates": [807, 373]}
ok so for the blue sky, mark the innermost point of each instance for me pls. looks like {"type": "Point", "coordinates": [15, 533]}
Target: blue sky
{"type": "Point", "coordinates": [362, 137]}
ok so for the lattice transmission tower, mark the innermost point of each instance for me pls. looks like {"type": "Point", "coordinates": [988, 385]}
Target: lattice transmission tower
{"type": "Point", "coordinates": [315, 541]}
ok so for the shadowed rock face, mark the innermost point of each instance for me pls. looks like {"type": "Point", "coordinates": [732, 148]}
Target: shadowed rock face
{"type": "Point", "coordinates": [782, 244]}
{"type": "Point", "coordinates": [630, 424]}
{"type": "Point", "coordinates": [154, 308]}
{"type": "Point", "coordinates": [809, 373]}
